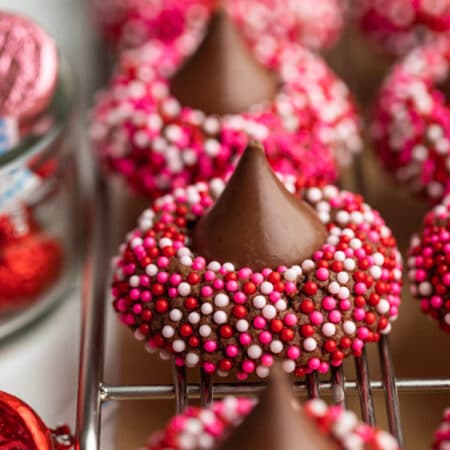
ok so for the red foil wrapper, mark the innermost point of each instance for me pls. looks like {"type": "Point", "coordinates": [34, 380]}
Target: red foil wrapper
{"type": "Point", "coordinates": [22, 429]}
{"type": "Point", "coordinates": [30, 261]}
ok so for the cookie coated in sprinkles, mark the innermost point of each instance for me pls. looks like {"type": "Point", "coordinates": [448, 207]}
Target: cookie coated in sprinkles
{"type": "Point", "coordinates": [397, 26]}
{"type": "Point", "coordinates": [428, 263]}
{"type": "Point", "coordinates": [231, 319]}
{"type": "Point", "coordinates": [205, 428]}
{"type": "Point", "coordinates": [140, 131]}
{"type": "Point", "coordinates": [316, 25]}
{"type": "Point", "coordinates": [130, 23]}
{"type": "Point", "coordinates": [411, 126]}
{"type": "Point", "coordinates": [442, 434]}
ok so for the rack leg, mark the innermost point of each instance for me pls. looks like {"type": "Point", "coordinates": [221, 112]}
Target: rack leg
{"type": "Point", "coordinates": [206, 393]}
{"type": "Point", "coordinates": [390, 390]}
{"type": "Point", "coordinates": [179, 379]}
{"type": "Point", "coordinates": [312, 382]}
{"type": "Point", "coordinates": [338, 385]}
{"type": "Point", "coordinates": [365, 393]}
{"type": "Point", "coordinates": [92, 327]}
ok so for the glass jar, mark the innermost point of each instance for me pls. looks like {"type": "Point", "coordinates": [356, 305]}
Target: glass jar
{"type": "Point", "coordinates": [38, 221]}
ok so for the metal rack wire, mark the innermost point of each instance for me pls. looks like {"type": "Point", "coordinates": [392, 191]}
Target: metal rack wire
{"type": "Point", "coordinates": [93, 393]}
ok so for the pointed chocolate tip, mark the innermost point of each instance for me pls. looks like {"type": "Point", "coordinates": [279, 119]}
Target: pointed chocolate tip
{"type": "Point", "coordinates": [256, 222]}
{"type": "Point", "coordinates": [255, 146]}
{"type": "Point", "coordinates": [276, 424]}
{"type": "Point", "coordinates": [278, 389]}
{"type": "Point", "coordinates": [223, 77]}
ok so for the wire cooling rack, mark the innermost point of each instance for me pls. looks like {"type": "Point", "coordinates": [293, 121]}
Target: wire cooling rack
{"type": "Point", "coordinates": [93, 392]}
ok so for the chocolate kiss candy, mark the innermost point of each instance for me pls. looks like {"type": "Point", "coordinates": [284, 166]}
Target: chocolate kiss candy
{"type": "Point", "coordinates": [275, 423]}
{"type": "Point", "coordinates": [28, 67]}
{"type": "Point", "coordinates": [256, 222]}
{"type": "Point", "coordinates": [223, 77]}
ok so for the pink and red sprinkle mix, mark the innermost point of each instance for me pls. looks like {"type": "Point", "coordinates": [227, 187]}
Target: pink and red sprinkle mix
{"type": "Point", "coordinates": [429, 262]}
{"type": "Point", "coordinates": [129, 23]}
{"type": "Point", "coordinates": [205, 428]}
{"type": "Point", "coordinates": [141, 132]}
{"type": "Point", "coordinates": [412, 121]}
{"type": "Point", "coordinates": [222, 319]}
{"type": "Point", "coordinates": [397, 26]}
{"type": "Point", "coordinates": [442, 434]}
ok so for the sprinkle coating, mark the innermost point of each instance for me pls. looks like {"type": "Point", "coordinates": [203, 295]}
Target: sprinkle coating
{"type": "Point", "coordinates": [130, 23]}
{"type": "Point", "coordinates": [231, 319]}
{"type": "Point", "coordinates": [316, 25]}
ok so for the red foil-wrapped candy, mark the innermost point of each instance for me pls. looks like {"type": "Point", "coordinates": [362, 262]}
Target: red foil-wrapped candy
{"type": "Point", "coordinates": [30, 261]}
{"type": "Point", "coordinates": [22, 429]}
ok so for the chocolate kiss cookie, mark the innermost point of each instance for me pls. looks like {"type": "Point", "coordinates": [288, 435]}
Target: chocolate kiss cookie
{"type": "Point", "coordinates": [164, 122]}
{"type": "Point", "coordinates": [182, 292]}
{"type": "Point", "coordinates": [223, 77]}
{"type": "Point", "coordinates": [276, 422]}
